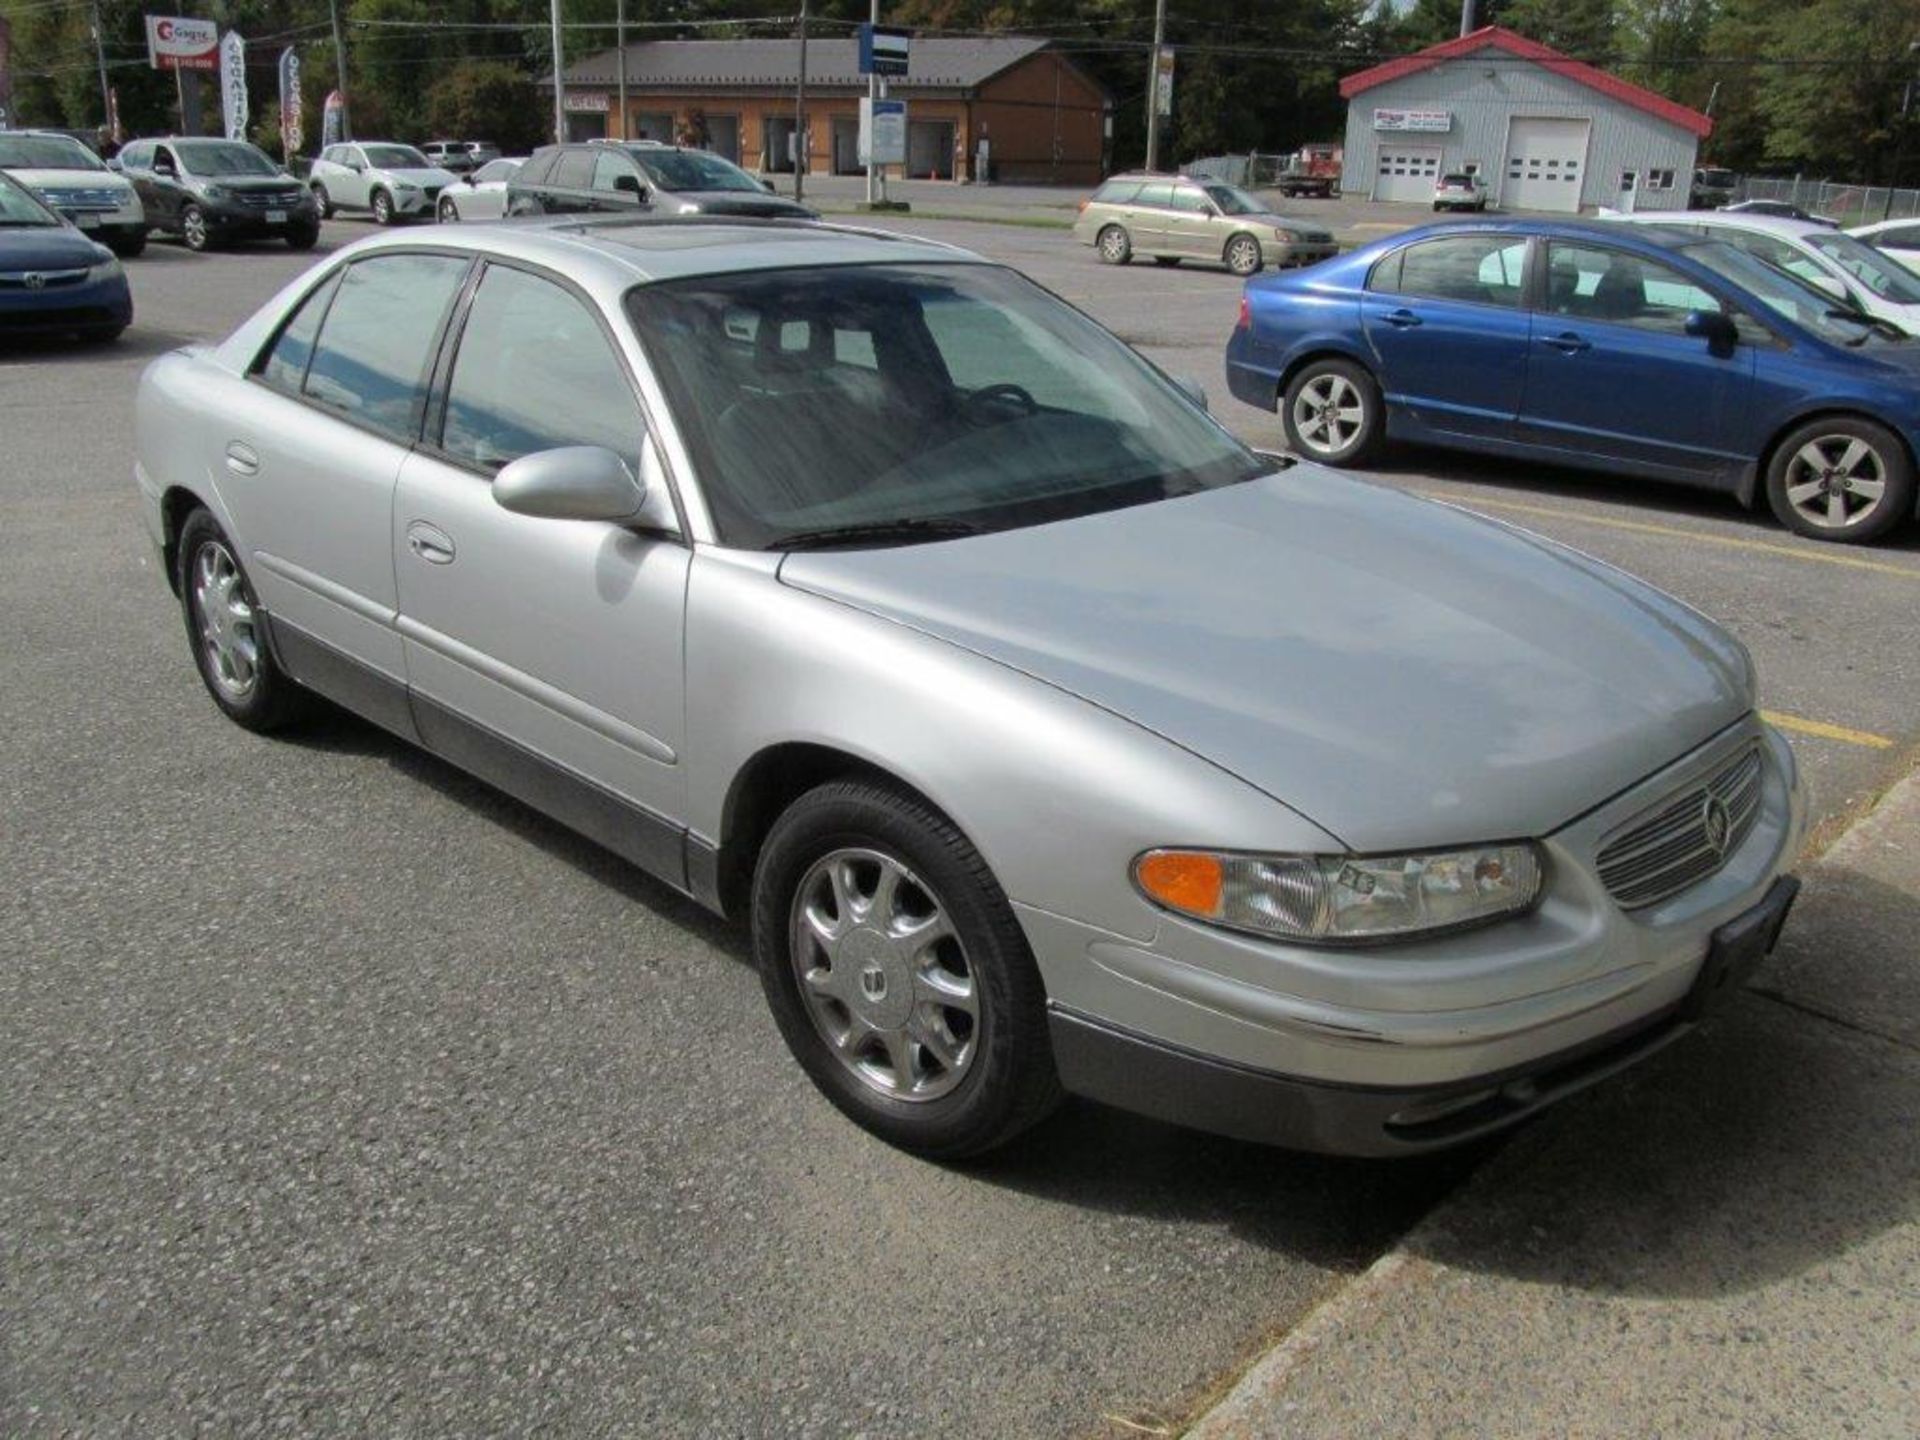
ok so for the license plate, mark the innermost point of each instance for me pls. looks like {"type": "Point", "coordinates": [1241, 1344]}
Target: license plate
{"type": "Point", "coordinates": [1738, 947]}
{"type": "Point", "coordinates": [276, 217]}
{"type": "Point", "coordinates": [87, 222]}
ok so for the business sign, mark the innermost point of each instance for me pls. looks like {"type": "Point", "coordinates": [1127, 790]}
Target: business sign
{"type": "Point", "coordinates": [1163, 83]}
{"type": "Point", "coordinates": [233, 84]}
{"type": "Point", "coordinates": [883, 132]}
{"type": "Point", "coordinates": [177, 43]}
{"type": "Point", "coordinates": [1425, 122]}
{"type": "Point", "coordinates": [333, 119]}
{"type": "Point", "coordinates": [586, 102]}
{"type": "Point", "coordinates": [883, 50]}
{"type": "Point", "coordinates": [292, 122]}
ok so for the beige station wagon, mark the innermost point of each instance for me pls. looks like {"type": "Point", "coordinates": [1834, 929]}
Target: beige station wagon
{"type": "Point", "coordinates": [1173, 218]}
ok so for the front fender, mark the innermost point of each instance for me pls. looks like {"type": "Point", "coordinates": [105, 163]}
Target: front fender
{"type": "Point", "coordinates": [1058, 795]}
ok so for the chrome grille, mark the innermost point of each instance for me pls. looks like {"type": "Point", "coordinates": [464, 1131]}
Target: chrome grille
{"type": "Point", "coordinates": [270, 199]}
{"type": "Point", "coordinates": [76, 199]}
{"type": "Point", "coordinates": [1670, 847]}
{"type": "Point", "coordinates": [42, 279]}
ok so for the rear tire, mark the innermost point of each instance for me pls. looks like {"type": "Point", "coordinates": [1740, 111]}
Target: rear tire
{"type": "Point", "coordinates": [224, 630]}
{"type": "Point", "coordinates": [322, 201]}
{"type": "Point", "coordinates": [1115, 245]}
{"type": "Point", "coordinates": [851, 877]}
{"type": "Point", "coordinates": [1845, 479]}
{"type": "Point", "coordinates": [1333, 412]}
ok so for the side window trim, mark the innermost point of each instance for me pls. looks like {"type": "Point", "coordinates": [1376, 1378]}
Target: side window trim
{"type": "Point", "coordinates": [1395, 261]}
{"type": "Point", "coordinates": [257, 367]}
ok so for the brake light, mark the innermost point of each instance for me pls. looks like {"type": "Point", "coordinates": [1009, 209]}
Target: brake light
{"type": "Point", "coordinates": [1245, 320]}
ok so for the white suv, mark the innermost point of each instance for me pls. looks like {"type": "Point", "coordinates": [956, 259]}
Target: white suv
{"type": "Point", "coordinates": [1460, 191]}
{"type": "Point", "coordinates": [71, 179]}
{"type": "Point", "coordinates": [390, 182]}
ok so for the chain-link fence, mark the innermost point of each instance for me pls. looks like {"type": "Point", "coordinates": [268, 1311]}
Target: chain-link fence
{"type": "Point", "coordinates": [1849, 204]}
{"type": "Point", "coordinates": [1252, 170]}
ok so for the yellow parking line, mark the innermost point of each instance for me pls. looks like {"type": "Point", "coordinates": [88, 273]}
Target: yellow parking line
{"type": "Point", "coordinates": [1825, 731]}
{"type": "Point", "coordinates": [1642, 527]}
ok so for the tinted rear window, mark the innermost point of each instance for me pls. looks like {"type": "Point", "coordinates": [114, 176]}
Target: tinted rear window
{"type": "Point", "coordinates": [535, 171]}
{"type": "Point", "coordinates": [1117, 192]}
{"type": "Point", "coordinates": [575, 170]}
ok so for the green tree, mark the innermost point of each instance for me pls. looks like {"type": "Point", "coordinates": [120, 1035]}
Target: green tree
{"type": "Point", "coordinates": [490, 100]}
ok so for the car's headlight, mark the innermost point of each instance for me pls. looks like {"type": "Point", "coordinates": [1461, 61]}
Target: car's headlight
{"type": "Point", "coordinates": [689, 209]}
{"type": "Point", "coordinates": [1342, 899]}
{"type": "Point", "coordinates": [105, 270]}
{"type": "Point", "coordinates": [216, 192]}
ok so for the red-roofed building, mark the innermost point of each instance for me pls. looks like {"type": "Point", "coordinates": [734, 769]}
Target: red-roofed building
{"type": "Point", "coordinates": [1542, 130]}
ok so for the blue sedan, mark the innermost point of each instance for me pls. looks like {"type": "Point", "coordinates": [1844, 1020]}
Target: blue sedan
{"type": "Point", "coordinates": [53, 279]}
{"type": "Point", "coordinates": [1628, 349]}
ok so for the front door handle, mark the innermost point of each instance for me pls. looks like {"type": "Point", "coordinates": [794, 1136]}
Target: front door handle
{"type": "Point", "coordinates": [1567, 343]}
{"type": "Point", "coordinates": [1402, 319]}
{"type": "Point", "coordinates": [242, 459]}
{"type": "Point", "coordinates": [430, 543]}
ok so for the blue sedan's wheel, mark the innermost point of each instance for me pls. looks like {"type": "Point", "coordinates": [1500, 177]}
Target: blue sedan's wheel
{"type": "Point", "coordinates": [899, 977]}
{"type": "Point", "coordinates": [1841, 478]}
{"type": "Point", "coordinates": [1333, 412]}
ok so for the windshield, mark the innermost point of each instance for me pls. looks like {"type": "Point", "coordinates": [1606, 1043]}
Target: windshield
{"type": "Point", "coordinates": [1719, 179]}
{"type": "Point", "coordinates": [1884, 277]}
{"type": "Point", "coordinates": [46, 152]}
{"type": "Point", "coordinates": [224, 157]}
{"type": "Point", "coordinates": [959, 396]}
{"type": "Point", "coordinates": [1232, 200]}
{"type": "Point", "coordinates": [395, 157]}
{"type": "Point", "coordinates": [18, 208]}
{"type": "Point", "coordinates": [692, 170]}
{"type": "Point", "coordinates": [1783, 293]}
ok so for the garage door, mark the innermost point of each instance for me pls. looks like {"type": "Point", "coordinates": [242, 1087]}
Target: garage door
{"type": "Point", "coordinates": [1546, 163]}
{"type": "Point", "coordinates": [1407, 172]}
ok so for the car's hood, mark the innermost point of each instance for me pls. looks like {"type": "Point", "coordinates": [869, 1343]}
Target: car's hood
{"type": "Point", "coordinates": [249, 184]}
{"type": "Point", "coordinates": [1402, 673]}
{"type": "Point", "coordinates": [52, 247]}
{"type": "Point", "coordinates": [1287, 223]}
{"type": "Point", "coordinates": [73, 180]}
{"type": "Point", "coordinates": [422, 176]}
{"type": "Point", "coordinates": [740, 202]}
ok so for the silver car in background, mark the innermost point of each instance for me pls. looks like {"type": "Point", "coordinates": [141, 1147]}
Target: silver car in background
{"type": "Point", "coordinates": [1047, 738]}
{"type": "Point", "coordinates": [480, 194]}
{"type": "Point", "coordinates": [390, 182]}
{"type": "Point", "coordinates": [1170, 218]}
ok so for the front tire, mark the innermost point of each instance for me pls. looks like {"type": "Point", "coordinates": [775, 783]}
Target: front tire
{"type": "Point", "coordinates": [224, 629]}
{"type": "Point", "coordinates": [1115, 245]}
{"type": "Point", "coordinates": [897, 973]}
{"type": "Point", "coordinates": [1333, 412]}
{"type": "Point", "coordinates": [1844, 479]}
{"type": "Point", "coordinates": [194, 231]}
{"type": "Point", "coordinates": [1243, 256]}
{"type": "Point", "coordinates": [322, 201]}
{"type": "Point", "coordinates": [449, 213]}
{"type": "Point", "coordinates": [382, 208]}
{"type": "Point", "coordinates": [303, 237]}
{"type": "Point", "coordinates": [128, 247]}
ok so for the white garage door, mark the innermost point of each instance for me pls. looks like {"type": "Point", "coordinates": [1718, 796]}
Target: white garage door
{"type": "Point", "coordinates": [1407, 172]}
{"type": "Point", "coordinates": [1546, 163]}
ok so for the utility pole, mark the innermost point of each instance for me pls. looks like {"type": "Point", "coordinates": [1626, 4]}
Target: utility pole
{"type": "Point", "coordinates": [106, 91]}
{"type": "Point", "coordinates": [340, 72]}
{"type": "Point", "coordinates": [620, 39]}
{"type": "Point", "coordinates": [873, 94]}
{"type": "Point", "coordinates": [1466, 17]}
{"type": "Point", "coordinates": [1153, 84]}
{"type": "Point", "coordinates": [800, 114]}
{"type": "Point", "coordinates": [559, 85]}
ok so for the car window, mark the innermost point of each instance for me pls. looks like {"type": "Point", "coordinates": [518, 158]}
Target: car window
{"type": "Point", "coordinates": [395, 157]}
{"type": "Point", "coordinates": [285, 365]}
{"type": "Point", "coordinates": [607, 170]}
{"type": "Point", "coordinates": [1116, 192]}
{"type": "Point", "coordinates": [1885, 279]}
{"type": "Point", "coordinates": [1190, 199]}
{"type": "Point", "coordinates": [1480, 269]}
{"type": "Point", "coordinates": [1157, 193]}
{"type": "Point", "coordinates": [163, 156]}
{"type": "Point", "coordinates": [1232, 200]}
{"type": "Point", "coordinates": [575, 170]}
{"type": "Point", "coordinates": [45, 152]}
{"type": "Point", "coordinates": [137, 156]}
{"type": "Point", "coordinates": [19, 207]}
{"type": "Point", "coordinates": [1587, 282]}
{"type": "Point", "coordinates": [537, 168]}
{"type": "Point", "coordinates": [1900, 237]}
{"type": "Point", "coordinates": [494, 170]}
{"type": "Point", "coordinates": [535, 372]}
{"type": "Point", "coordinates": [216, 158]}
{"type": "Point", "coordinates": [370, 362]}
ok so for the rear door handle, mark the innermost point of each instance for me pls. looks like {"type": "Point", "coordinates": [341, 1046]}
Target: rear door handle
{"type": "Point", "coordinates": [430, 543]}
{"type": "Point", "coordinates": [1404, 319]}
{"type": "Point", "coordinates": [1567, 343]}
{"type": "Point", "coordinates": [242, 459]}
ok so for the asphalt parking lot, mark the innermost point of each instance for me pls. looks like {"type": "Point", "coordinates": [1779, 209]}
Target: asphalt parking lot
{"type": "Point", "coordinates": [345, 1096]}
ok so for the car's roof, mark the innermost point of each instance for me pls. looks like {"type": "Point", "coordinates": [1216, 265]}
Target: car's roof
{"type": "Point", "coordinates": [1878, 225]}
{"type": "Point", "coordinates": [618, 252]}
{"type": "Point", "coordinates": [1783, 225]}
{"type": "Point", "coordinates": [1597, 229]}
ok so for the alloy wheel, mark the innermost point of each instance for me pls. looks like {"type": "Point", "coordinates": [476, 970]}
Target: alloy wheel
{"type": "Point", "coordinates": [1328, 413]}
{"type": "Point", "coordinates": [447, 213]}
{"type": "Point", "coordinates": [1114, 245]}
{"type": "Point", "coordinates": [193, 228]}
{"type": "Point", "coordinates": [382, 208]}
{"type": "Point", "coordinates": [1836, 481]}
{"type": "Point", "coordinates": [225, 617]}
{"type": "Point", "coordinates": [1243, 256]}
{"type": "Point", "coordinates": [883, 975]}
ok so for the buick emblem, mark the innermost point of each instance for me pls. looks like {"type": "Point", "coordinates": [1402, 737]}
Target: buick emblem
{"type": "Point", "coordinates": [1716, 823]}
{"type": "Point", "coordinates": [33, 280]}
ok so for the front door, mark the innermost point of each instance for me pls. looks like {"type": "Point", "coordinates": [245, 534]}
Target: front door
{"type": "Point", "coordinates": [557, 640]}
{"type": "Point", "coordinates": [617, 183]}
{"type": "Point", "coordinates": [1612, 372]}
{"type": "Point", "coordinates": [312, 456]}
{"type": "Point", "coordinates": [161, 193]}
{"type": "Point", "coordinates": [1445, 321]}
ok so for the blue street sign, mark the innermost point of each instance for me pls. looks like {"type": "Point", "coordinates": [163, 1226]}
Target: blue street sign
{"type": "Point", "coordinates": [883, 50]}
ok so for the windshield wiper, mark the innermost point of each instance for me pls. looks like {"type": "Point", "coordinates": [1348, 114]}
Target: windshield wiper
{"type": "Point", "coordinates": [879, 532]}
{"type": "Point", "coordinates": [1869, 324]}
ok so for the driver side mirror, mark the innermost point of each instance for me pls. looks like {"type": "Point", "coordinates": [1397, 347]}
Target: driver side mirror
{"type": "Point", "coordinates": [1714, 327]}
{"type": "Point", "coordinates": [575, 482]}
{"type": "Point", "coordinates": [165, 167]}
{"type": "Point", "coordinates": [630, 185]}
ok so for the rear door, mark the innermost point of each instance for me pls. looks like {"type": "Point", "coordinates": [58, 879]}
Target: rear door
{"type": "Point", "coordinates": [1613, 373]}
{"type": "Point", "coordinates": [1148, 215]}
{"type": "Point", "coordinates": [1445, 320]}
{"type": "Point", "coordinates": [1192, 229]}
{"type": "Point", "coordinates": [569, 186]}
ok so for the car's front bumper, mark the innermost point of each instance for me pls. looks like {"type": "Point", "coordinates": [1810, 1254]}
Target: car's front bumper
{"type": "Point", "coordinates": [89, 305]}
{"type": "Point", "coordinates": [236, 220]}
{"type": "Point", "coordinates": [1303, 252]}
{"type": "Point", "coordinates": [1370, 1051]}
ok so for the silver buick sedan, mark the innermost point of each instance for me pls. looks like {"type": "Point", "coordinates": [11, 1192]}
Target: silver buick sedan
{"type": "Point", "coordinates": [1048, 739]}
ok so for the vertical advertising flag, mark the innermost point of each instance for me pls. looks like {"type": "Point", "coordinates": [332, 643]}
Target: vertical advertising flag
{"type": "Point", "coordinates": [233, 84]}
{"type": "Point", "coordinates": [333, 119]}
{"type": "Point", "coordinates": [1163, 82]}
{"type": "Point", "coordinates": [291, 123]}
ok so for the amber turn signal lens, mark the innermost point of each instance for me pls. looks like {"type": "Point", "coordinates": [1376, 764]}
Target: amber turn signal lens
{"type": "Point", "coordinates": [1182, 880]}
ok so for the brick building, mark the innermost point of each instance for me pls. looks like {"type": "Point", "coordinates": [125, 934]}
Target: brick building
{"type": "Point", "coordinates": [1042, 117]}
